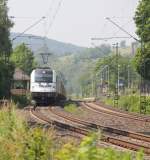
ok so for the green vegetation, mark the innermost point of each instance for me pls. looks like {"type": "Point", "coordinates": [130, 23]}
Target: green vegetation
{"type": "Point", "coordinates": [23, 58]}
{"type": "Point", "coordinates": [6, 68]}
{"type": "Point", "coordinates": [5, 25]}
{"type": "Point", "coordinates": [19, 142]}
{"type": "Point", "coordinates": [21, 101]}
{"type": "Point", "coordinates": [129, 103]}
{"type": "Point", "coordinates": [71, 108]}
{"type": "Point", "coordinates": [142, 20]}
{"type": "Point", "coordinates": [87, 150]}
{"type": "Point", "coordinates": [6, 74]}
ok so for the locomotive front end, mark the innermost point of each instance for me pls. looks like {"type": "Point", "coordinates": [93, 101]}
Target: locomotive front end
{"type": "Point", "coordinates": [43, 85]}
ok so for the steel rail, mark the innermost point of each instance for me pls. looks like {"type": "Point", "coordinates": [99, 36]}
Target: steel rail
{"type": "Point", "coordinates": [85, 132]}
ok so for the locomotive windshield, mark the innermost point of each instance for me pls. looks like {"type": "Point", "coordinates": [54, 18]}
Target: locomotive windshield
{"type": "Point", "coordinates": [45, 76]}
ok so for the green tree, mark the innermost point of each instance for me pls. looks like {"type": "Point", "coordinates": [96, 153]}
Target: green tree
{"type": "Point", "coordinates": [5, 25]}
{"type": "Point", "coordinates": [6, 74]}
{"type": "Point", "coordinates": [23, 58]}
{"type": "Point", "coordinates": [142, 20]}
{"type": "Point", "coordinates": [142, 61]}
{"type": "Point", "coordinates": [6, 68]}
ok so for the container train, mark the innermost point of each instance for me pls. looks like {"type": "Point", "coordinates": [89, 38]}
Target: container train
{"type": "Point", "coordinates": [46, 86]}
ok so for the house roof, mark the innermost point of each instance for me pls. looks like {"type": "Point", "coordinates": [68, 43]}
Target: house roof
{"type": "Point", "coordinates": [20, 75]}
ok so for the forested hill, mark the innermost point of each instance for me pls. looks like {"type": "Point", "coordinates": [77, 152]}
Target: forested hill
{"type": "Point", "coordinates": [37, 42]}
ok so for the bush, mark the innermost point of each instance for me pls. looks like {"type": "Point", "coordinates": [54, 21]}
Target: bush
{"type": "Point", "coordinates": [71, 107]}
{"type": "Point", "coordinates": [19, 142]}
{"type": "Point", "coordinates": [88, 150]}
{"type": "Point", "coordinates": [21, 101]}
{"type": "Point", "coordinates": [130, 103]}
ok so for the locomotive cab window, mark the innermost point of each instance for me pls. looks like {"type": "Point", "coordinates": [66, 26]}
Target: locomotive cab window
{"type": "Point", "coordinates": [45, 76]}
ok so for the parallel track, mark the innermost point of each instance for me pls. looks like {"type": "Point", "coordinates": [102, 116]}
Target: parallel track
{"type": "Point", "coordinates": [100, 109]}
{"type": "Point", "coordinates": [85, 132]}
{"type": "Point", "coordinates": [93, 126]}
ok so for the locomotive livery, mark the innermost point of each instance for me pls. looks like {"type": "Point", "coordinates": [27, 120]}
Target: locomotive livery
{"type": "Point", "coordinates": [46, 86]}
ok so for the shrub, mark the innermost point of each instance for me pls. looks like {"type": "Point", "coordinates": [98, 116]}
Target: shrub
{"type": "Point", "coordinates": [71, 108]}
{"type": "Point", "coordinates": [19, 142]}
{"type": "Point", "coordinates": [21, 101]}
{"type": "Point", "coordinates": [88, 150]}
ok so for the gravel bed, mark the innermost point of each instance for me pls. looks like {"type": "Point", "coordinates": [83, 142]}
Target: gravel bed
{"type": "Point", "coordinates": [138, 115]}
{"type": "Point", "coordinates": [52, 116]}
{"type": "Point", "coordinates": [109, 120]}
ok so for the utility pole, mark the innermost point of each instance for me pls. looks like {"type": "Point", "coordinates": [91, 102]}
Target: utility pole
{"type": "Point", "coordinates": [128, 77]}
{"type": "Point", "coordinates": [108, 80]}
{"type": "Point", "coordinates": [142, 85]}
{"type": "Point", "coordinates": [116, 96]}
{"type": "Point", "coordinates": [93, 87]}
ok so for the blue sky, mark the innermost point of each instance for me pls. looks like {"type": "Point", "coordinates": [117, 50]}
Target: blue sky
{"type": "Point", "coordinates": [77, 21]}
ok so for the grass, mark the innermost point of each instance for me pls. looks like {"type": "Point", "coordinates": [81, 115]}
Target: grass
{"type": "Point", "coordinates": [130, 103]}
{"type": "Point", "coordinates": [72, 108]}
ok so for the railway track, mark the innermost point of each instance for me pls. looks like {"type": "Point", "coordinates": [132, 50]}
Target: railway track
{"type": "Point", "coordinates": [105, 129]}
{"type": "Point", "coordinates": [100, 109]}
{"type": "Point", "coordinates": [91, 126]}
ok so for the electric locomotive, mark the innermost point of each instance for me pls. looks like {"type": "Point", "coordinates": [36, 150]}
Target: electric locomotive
{"type": "Point", "coordinates": [46, 86]}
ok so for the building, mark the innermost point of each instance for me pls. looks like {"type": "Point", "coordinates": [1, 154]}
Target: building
{"type": "Point", "coordinates": [20, 84]}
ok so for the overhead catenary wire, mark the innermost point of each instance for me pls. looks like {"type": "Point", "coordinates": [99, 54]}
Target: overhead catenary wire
{"type": "Point", "coordinates": [37, 22]}
{"type": "Point", "coordinates": [127, 23]}
{"type": "Point", "coordinates": [122, 29]}
{"type": "Point", "coordinates": [54, 16]}
{"type": "Point", "coordinates": [50, 9]}
{"type": "Point", "coordinates": [107, 38]}
{"type": "Point", "coordinates": [17, 17]}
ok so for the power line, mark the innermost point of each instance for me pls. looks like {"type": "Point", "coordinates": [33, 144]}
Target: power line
{"type": "Point", "coordinates": [48, 16]}
{"type": "Point", "coordinates": [28, 28]}
{"type": "Point", "coordinates": [50, 8]}
{"type": "Point", "coordinates": [14, 17]}
{"type": "Point", "coordinates": [107, 38]}
{"type": "Point", "coordinates": [54, 16]}
{"type": "Point", "coordinates": [122, 27]}
{"type": "Point", "coordinates": [109, 19]}
{"type": "Point", "coordinates": [30, 37]}
{"type": "Point", "coordinates": [115, 17]}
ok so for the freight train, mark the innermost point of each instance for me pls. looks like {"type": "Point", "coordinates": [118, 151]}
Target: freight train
{"type": "Point", "coordinates": [46, 86]}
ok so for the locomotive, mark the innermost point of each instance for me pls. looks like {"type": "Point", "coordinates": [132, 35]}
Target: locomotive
{"type": "Point", "coordinates": [46, 86]}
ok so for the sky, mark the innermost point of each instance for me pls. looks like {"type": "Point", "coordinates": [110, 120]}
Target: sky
{"type": "Point", "coordinates": [74, 21]}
